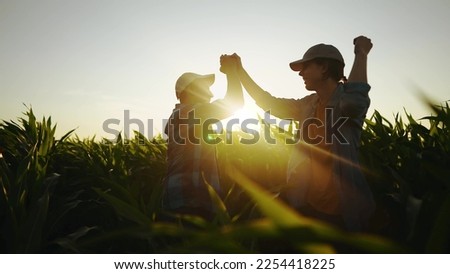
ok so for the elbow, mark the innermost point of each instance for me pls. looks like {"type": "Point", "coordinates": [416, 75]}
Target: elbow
{"type": "Point", "coordinates": [240, 102]}
{"type": "Point", "coordinates": [236, 104]}
{"type": "Point", "coordinates": [355, 108]}
{"type": "Point", "coordinates": [233, 104]}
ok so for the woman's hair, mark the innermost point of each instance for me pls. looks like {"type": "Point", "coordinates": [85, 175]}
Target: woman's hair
{"type": "Point", "coordinates": [335, 69]}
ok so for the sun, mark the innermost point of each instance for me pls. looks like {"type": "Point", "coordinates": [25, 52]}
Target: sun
{"type": "Point", "coordinates": [245, 113]}
{"type": "Point", "coordinates": [249, 110]}
{"type": "Point", "coordinates": [247, 116]}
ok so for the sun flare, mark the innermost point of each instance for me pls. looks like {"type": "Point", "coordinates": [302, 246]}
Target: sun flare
{"type": "Point", "coordinates": [245, 113]}
{"type": "Point", "coordinates": [248, 114]}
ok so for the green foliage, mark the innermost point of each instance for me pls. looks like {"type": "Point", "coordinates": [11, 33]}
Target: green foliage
{"type": "Point", "coordinates": [26, 182]}
{"type": "Point", "coordinates": [86, 196]}
{"type": "Point", "coordinates": [408, 168]}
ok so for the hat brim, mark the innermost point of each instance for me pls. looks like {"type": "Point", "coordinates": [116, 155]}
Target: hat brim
{"type": "Point", "coordinates": [298, 65]}
{"type": "Point", "coordinates": [208, 80]}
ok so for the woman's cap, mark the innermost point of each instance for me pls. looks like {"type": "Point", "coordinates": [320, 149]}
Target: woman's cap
{"type": "Point", "coordinates": [318, 51]}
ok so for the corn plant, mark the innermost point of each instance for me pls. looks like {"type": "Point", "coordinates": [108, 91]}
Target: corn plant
{"type": "Point", "coordinates": [26, 182]}
{"type": "Point", "coordinates": [408, 168]}
{"type": "Point", "coordinates": [121, 186]}
{"type": "Point", "coordinates": [89, 196]}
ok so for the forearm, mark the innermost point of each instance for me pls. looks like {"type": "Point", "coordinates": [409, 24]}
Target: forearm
{"type": "Point", "coordinates": [363, 45]}
{"type": "Point", "coordinates": [234, 96]}
{"type": "Point", "coordinates": [282, 108]}
{"type": "Point", "coordinates": [253, 89]}
{"type": "Point", "coordinates": [358, 72]}
{"type": "Point", "coordinates": [223, 108]}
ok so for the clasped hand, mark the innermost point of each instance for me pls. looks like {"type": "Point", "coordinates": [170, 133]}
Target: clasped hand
{"type": "Point", "coordinates": [229, 63]}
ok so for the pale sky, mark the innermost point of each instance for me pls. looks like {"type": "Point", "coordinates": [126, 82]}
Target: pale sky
{"type": "Point", "coordinates": [84, 62]}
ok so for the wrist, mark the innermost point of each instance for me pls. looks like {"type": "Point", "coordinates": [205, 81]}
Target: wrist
{"type": "Point", "coordinates": [240, 70]}
{"type": "Point", "coordinates": [361, 54]}
{"type": "Point", "coordinates": [230, 71]}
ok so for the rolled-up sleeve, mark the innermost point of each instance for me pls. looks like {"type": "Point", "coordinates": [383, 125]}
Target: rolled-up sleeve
{"type": "Point", "coordinates": [355, 100]}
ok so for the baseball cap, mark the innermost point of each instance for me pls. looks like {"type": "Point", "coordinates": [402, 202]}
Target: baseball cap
{"type": "Point", "coordinates": [187, 78]}
{"type": "Point", "coordinates": [318, 51]}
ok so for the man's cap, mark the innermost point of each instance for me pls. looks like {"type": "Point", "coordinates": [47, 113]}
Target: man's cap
{"type": "Point", "coordinates": [318, 51]}
{"type": "Point", "coordinates": [187, 78]}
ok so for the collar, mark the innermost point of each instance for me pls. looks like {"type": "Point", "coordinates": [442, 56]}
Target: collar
{"type": "Point", "coordinates": [334, 98]}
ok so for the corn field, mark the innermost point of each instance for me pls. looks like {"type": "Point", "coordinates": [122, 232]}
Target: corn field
{"type": "Point", "coordinates": [72, 195]}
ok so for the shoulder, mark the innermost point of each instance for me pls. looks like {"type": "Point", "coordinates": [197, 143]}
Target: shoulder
{"type": "Point", "coordinates": [356, 86]}
{"type": "Point", "coordinates": [310, 98]}
{"type": "Point", "coordinates": [307, 100]}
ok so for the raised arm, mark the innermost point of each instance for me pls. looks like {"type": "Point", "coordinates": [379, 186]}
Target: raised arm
{"type": "Point", "coordinates": [358, 73]}
{"type": "Point", "coordinates": [280, 107]}
{"type": "Point", "coordinates": [233, 100]}
{"type": "Point", "coordinates": [253, 89]}
{"type": "Point", "coordinates": [355, 101]}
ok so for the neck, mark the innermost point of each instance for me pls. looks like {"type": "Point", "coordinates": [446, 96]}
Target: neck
{"type": "Point", "coordinates": [326, 90]}
{"type": "Point", "coordinates": [193, 100]}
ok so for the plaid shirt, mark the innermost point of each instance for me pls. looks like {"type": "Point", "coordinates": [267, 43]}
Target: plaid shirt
{"type": "Point", "coordinates": [345, 191]}
{"type": "Point", "coordinates": [191, 161]}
